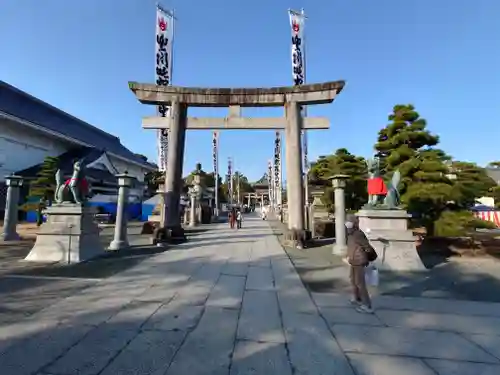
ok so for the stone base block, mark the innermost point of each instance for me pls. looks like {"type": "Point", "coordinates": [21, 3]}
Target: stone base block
{"type": "Point", "coordinates": [393, 220]}
{"type": "Point", "coordinates": [168, 235]}
{"type": "Point", "coordinates": [70, 235]}
{"type": "Point", "coordinates": [295, 238]}
{"type": "Point", "coordinates": [148, 227]}
{"type": "Point", "coordinates": [395, 244]}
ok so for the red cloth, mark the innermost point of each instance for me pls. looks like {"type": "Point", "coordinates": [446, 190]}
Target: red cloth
{"type": "Point", "coordinates": [376, 186]}
{"type": "Point", "coordinates": [85, 184]}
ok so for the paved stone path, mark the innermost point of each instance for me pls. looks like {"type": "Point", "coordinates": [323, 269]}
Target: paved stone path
{"type": "Point", "coordinates": [230, 302]}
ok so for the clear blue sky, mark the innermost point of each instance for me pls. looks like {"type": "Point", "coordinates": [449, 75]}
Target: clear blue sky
{"type": "Point", "coordinates": [442, 56]}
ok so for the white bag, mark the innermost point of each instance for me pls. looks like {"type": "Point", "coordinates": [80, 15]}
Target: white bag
{"type": "Point", "coordinates": [371, 275]}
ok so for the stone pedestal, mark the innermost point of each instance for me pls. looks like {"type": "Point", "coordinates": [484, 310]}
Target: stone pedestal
{"type": "Point", "coordinates": [388, 233]}
{"type": "Point", "coordinates": [70, 235]}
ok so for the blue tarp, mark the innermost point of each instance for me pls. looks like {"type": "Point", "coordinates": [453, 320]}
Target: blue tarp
{"type": "Point", "coordinates": [133, 209]}
{"type": "Point", "coordinates": [482, 208]}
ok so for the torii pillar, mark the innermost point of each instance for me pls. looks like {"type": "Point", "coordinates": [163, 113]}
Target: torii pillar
{"type": "Point", "coordinates": [173, 179]}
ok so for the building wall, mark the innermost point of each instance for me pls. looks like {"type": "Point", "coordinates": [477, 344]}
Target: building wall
{"type": "Point", "coordinates": [21, 147]}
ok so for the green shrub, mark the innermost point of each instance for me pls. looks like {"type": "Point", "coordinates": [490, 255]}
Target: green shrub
{"type": "Point", "coordinates": [483, 224]}
{"type": "Point", "coordinates": [459, 224]}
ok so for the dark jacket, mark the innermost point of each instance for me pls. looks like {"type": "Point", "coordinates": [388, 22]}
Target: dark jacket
{"type": "Point", "coordinates": [357, 247]}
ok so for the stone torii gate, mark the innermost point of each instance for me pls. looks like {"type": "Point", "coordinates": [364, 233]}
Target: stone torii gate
{"type": "Point", "coordinates": [289, 97]}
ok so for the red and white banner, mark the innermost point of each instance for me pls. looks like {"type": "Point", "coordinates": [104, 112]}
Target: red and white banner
{"type": "Point", "coordinates": [297, 22]}
{"type": "Point", "coordinates": [163, 71]}
{"type": "Point", "coordinates": [493, 216]}
{"type": "Point", "coordinates": [297, 25]}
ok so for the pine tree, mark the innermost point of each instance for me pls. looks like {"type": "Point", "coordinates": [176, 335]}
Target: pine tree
{"type": "Point", "coordinates": [407, 145]}
{"type": "Point", "coordinates": [43, 187]}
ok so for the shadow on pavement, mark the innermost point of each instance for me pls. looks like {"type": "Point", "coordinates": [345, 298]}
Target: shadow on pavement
{"type": "Point", "coordinates": [463, 279]}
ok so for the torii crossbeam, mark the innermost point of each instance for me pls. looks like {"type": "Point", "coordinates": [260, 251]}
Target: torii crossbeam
{"type": "Point", "coordinates": [234, 122]}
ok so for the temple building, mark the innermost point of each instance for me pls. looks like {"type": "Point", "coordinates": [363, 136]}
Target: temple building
{"type": "Point", "coordinates": [31, 130]}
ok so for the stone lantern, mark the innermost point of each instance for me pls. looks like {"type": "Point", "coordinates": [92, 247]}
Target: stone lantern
{"type": "Point", "coordinates": [195, 193]}
{"type": "Point", "coordinates": [120, 241]}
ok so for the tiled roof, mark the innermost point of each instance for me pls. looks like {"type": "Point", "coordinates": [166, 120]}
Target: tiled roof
{"type": "Point", "coordinates": [263, 180]}
{"type": "Point", "coordinates": [24, 106]}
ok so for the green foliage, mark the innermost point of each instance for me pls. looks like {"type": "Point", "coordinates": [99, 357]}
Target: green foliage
{"type": "Point", "coordinates": [459, 224]}
{"type": "Point", "coordinates": [44, 185]}
{"type": "Point", "coordinates": [471, 182]}
{"type": "Point", "coordinates": [153, 180]}
{"type": "Point", "coordinates": [495, 194]}
{"type": "Point", "coordinates": [399, 140]}
{"type": "Point", "coordinates": [407, 145]}
{"type": "Point", "coordinates": [245, 185]}
{"type": "Point", "coordinates": [341, 162]}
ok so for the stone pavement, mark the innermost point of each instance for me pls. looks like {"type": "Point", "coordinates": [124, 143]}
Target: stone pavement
{"type": "Point", "coordinates": [230, 302]}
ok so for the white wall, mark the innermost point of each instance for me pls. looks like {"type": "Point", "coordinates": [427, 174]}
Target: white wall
{"type": "Point", "coordinates": [22, 147]}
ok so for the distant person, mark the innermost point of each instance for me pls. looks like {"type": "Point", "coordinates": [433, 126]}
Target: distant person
{"type": "Point", "coordinates": [230, 217]}
{"type": "Point", "coordinates": [264, 213]}
{"type": "Point", "coordinates": [239, 219]}
{"type": "Point", "coordinates": [359, 255]}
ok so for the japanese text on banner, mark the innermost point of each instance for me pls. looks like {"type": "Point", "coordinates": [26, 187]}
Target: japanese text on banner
{"type": "Point", "coordinates": [163, 72]}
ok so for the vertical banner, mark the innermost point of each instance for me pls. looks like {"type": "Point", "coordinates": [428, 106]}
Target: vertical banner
{"type": "Point", "coordinates": [238, 197]}
{"type": "Point", "coordinates": [215, 157]}
{"type": "Point", "coordinates": [297, 21]}
{"type": "Point", "coordinates": [270, 181]}
{"type": "Point", "coordinates": [163, 52]}
{"type": "Point", "coordinates": [230, 180]}
{"type": "Point", "coordinates": [277, 168]}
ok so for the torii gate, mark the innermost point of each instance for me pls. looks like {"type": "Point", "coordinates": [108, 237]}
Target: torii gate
{"type": "Point", "coordinates": [290, 97]}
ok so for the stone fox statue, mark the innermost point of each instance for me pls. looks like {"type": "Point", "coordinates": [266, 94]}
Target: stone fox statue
{"type": "Point", "coordinates": [77, 185]}
{"type": "Point", "coordinates": [392, 199]}
{"type": "Point", "coordinates": [376, 186]}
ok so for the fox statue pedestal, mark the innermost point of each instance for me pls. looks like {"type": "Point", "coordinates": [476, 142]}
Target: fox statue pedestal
{"type": "Point", "coordinates": [70, 235]}
{"type": "Point", "coordinates": [389, 235]}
